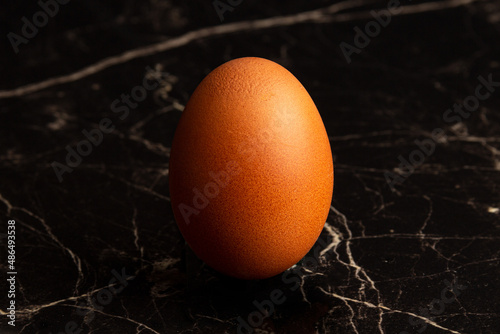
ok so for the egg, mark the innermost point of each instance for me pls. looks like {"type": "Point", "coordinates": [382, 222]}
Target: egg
{"type": "Point", "coordinates": [251, 170]}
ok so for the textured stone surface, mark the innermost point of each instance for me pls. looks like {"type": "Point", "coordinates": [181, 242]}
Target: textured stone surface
{"type": "Point", "coordinates": [386, 258]}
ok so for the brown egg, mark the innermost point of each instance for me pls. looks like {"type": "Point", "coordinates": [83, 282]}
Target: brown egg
{"type": "Point", "coordinates": [251, 171]}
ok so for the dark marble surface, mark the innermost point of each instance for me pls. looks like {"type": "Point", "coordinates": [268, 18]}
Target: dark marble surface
{"type": "Point", "coordinates": [100, 251]}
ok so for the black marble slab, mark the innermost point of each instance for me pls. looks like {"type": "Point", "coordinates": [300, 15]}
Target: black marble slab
{"type": "Point", "coordinates": [412, 242]}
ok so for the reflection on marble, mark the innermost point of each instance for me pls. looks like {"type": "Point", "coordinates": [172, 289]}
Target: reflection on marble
{"type": "Point", "coordinates": [99, 251]}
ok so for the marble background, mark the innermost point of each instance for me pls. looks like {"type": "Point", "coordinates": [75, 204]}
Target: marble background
{"type": "Point", "coordinates": [97, 249]}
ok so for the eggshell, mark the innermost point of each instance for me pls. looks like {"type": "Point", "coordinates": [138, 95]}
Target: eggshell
{"type": "Point", "coordinates": [251, 170]}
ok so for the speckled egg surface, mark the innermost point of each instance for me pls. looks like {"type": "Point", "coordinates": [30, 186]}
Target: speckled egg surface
{"type": "Point", "coordinates": [251, 170]}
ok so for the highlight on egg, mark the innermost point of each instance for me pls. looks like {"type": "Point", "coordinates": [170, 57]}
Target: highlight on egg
{"type": "Point", "coordinates": [251, 170]}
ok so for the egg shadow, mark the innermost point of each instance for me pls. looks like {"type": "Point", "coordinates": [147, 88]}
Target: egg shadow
{"type": "Point", "coordinates": [209, 292]}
